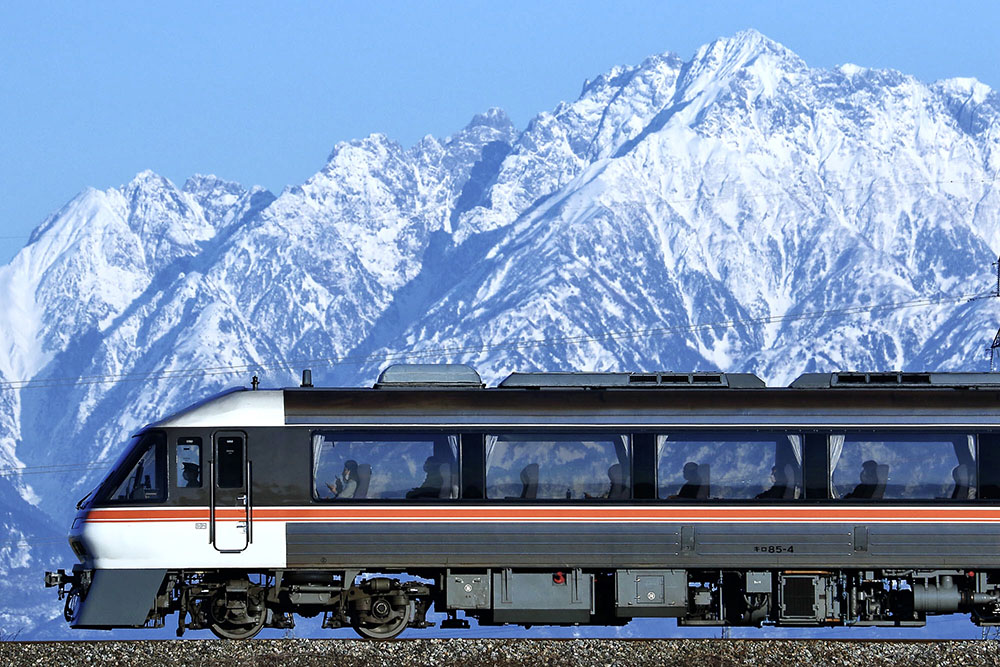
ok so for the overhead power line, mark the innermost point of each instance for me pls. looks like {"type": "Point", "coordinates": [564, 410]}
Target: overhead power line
{"type": "Point", "coordinates": [413, 354]}
{"type": "Point", "coordinates": [54, 469]}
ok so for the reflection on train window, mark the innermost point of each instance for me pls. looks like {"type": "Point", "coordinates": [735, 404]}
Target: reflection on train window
{"type": "Point", "coordinates": [876, 466]}
{"type": "Point", "coordinates": [145, 480]}
{"type": "Point", "coordinates": [547, 466]}
{"type": "Point", "coordinates": [729, 465]}
{"type": "Point", "coordinates": [188, 462]}
{"type": "Point", "coordinates": [349, 466]}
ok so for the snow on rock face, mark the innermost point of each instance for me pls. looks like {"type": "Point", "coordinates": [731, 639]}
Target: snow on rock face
{"type": "Point", "coordinates": [730, 212]}
{"type": "Point", "coordinates": [225, 203]}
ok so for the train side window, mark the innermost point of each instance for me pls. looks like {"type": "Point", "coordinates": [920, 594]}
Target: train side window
{"type": "Point", "coordinates": [558, 467]}
{"type": "Point", "coordinates": [145, 481]}
{"type": "Point", "coordinates": [188, 463]}
{"type": "Point", "coordinates": [989, 466]}
{"type": "Point", "coordinates": [871, 465]}
{"type": "Point", "coordinates": [729, 465]}
{"type": "Point", "coordinates": [354, 466]}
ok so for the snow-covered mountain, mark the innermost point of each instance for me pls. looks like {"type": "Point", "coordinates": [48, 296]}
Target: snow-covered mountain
{"type": "Point", "coordinates": [731, 212]}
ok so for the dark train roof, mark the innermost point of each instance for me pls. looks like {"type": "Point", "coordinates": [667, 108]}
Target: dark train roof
{"type": "Point", "coordinates": [454, 396]}
{"type": "Point", "coordinates": [897, 380]}
{"type": "Point", "coordinates": [637, 380]}
{"type": "Point", "coordinates": [463, 376]}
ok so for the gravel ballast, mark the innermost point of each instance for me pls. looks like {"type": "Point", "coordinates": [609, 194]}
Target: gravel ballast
{"type": "Point", "coordinates": [597, 652]}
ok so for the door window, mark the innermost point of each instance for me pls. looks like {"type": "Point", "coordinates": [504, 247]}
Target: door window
{"type": "Point", "coordinates": [229, 462]}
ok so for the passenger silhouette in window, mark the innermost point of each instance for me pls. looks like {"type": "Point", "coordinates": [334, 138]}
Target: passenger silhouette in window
{"type": "Point", "coordinates": [433, 486]}
{"type": "Point", "coordinates": [347, 484]}
{"type": "Point", "coordinates": [782, 484]}
{"type": "Point", "coordinates": [693, 487]}
{"type": "Point", "coordinates": [192, 474]}
{"type": "Point", "coordinates": [869, 481]}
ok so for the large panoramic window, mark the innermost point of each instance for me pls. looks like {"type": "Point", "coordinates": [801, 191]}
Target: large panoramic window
{"type": "Point", "coordinates": [355, 466]}
{"type": "Point", "coordinates": [533, 466]}
{"type": "Point", "coordinates": [901, 466]}
{"type": "Point", "coordinates": [729, 465]}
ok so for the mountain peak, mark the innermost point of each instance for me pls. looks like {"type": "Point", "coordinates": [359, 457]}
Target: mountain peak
{"type": "Point", "coordinates": [208, 182]}
{"type": "Point", "coordinates": [494, 117]}
{"type": "Point", "coordinates": [376, 143]}
{"type": "Point", "coordinates": [966, 86]}
{"type": "Point", "coordinates": [727, 54]}
{"type": "Point", "coordinates": [147, 182]}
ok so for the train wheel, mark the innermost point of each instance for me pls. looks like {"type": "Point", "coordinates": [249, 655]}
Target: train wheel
{"type": "Point", "coordinates": [72, 605]}
{"type": "Point", "coordinates": [230, 630]}
{"type": "Point", "coordinates": [235, 616]}
{"type": "Point", "coordinates": [382, 621]}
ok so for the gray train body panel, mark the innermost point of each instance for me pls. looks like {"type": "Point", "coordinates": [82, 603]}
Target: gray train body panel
{"type": "Point", "coordinates": [119, 598]}
{"type": "Point", "coordinates": [604, 546]}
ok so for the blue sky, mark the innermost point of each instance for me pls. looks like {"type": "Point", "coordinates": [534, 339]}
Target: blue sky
{"type": "Point", "coordinates": [93, 93]}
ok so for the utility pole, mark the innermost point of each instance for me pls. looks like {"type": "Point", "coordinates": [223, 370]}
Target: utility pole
{"type": "Point", "coordinates": [996, 293]}
{"type": "Point", "coordinates": [993, 349]}
{"type": "Point", "coordinates": [996, 338]}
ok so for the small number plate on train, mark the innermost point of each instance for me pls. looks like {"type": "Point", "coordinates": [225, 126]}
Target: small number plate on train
{"type": "Point", "coordinates": [774, 549]}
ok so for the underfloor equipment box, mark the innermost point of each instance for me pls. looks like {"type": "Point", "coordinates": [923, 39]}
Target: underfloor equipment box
{"type": "Point", "coordinates": [660, 593]}
{"type": "Point", "coordinates": [542, 597]}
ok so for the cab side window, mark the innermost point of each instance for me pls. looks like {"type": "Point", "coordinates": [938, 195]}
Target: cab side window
{"type": "Point", "coordinates": [145, 481]}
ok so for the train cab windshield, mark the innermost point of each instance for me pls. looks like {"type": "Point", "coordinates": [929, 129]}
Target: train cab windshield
{"type": "Point", "coordinates": [140, 476]}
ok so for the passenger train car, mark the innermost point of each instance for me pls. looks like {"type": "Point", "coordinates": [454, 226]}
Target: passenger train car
{"type": "Point", "coordinates": [845, 499]}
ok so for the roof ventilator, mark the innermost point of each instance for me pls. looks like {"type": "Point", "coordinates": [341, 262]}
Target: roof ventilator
{"type": "Point", "coordinates": [429, 375]}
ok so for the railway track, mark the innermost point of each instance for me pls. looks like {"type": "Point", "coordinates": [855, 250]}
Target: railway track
{"type": "Point", "coordinates": [501, 652]}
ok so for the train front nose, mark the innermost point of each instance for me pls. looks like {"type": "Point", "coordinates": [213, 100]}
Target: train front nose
{"type": "Point", "coordinates": [77, 537]}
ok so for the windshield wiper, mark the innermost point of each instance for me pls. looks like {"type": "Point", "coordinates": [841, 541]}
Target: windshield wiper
{"type": "Point", "coordinates": [79, 505]}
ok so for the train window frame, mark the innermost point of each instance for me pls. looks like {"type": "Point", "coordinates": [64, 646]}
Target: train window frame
{"type": "Point", "coordinates": [126, 466]}
{"type": "Point", "coordinates": [708, 435]}
{"type": "Point", "coordinates": [179, 463]}
{"type": "Point", "coordinates": [905, 437]}
{"type": "Point", "coordinates": [437, 438]}
{"type": "Point", "coordinates": [565, 435]}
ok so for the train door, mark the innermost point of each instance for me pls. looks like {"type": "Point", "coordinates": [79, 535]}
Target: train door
{"type": "Point", "coordinates": [231, 502]}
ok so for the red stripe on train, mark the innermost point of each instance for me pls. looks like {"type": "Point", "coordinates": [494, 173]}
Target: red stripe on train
{"type": "Point", "coordinates": [560, 514]}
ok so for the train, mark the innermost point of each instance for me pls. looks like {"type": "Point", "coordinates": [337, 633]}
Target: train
{"type": "Point", "coordinates": [844, 499]}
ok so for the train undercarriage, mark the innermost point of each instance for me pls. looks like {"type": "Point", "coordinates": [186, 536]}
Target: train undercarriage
{"type": "Point", "coordinates": [237, 605]}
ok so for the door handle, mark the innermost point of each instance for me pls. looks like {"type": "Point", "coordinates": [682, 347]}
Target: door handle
{"type": "Point", "coordinates": [249, 502]}
{"type": "Point", "coordinates": [211, 502]}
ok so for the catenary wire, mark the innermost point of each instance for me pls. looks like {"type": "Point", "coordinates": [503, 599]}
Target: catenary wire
{"type": "Point", "coordinates": [206, 371]}
{"type": "Point", "coordinates": [618, 335]}
{"type": "Point", "coordinates": [524, 344]}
